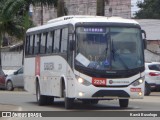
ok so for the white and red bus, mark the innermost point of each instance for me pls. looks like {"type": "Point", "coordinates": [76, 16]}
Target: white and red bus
{"type": "Point", "coordinates": [87, 58]}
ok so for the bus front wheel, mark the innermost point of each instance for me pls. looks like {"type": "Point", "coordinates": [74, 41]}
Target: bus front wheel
{"type": "Point", "coordinates": [123, 103]}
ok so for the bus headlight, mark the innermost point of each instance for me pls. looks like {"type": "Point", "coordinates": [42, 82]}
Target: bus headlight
{"type": "Point", "coordinates": [83, 81]}
{"type": "Point", "coordinates": [138, 82]}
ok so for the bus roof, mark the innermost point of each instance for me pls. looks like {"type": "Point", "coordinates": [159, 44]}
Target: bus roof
{"type": "Point", "coordinates": [73, 19]}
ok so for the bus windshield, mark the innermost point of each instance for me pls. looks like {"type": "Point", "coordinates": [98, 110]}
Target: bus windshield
{"type": "Point", "coordinates": [109, 48]}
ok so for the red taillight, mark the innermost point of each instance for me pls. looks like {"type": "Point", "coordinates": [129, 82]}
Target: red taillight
{"type": "Point", "coordinates": [154, 74]}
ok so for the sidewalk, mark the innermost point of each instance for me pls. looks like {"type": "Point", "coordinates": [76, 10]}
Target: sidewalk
{"type": "Point", "coordinates": [5, 107]}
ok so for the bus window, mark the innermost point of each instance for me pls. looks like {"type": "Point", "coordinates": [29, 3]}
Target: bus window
{"type": "Point", "coordinates": [43, 43]}
{"type": "Point", "coordinates": [27, 45]}
{"type": "Point", "coordinates": [56, 41]}
{"type": "Point", "coordinates": [52, 40]}
{"type": "Point", "coordinates": [49, 43]}
{"type": "Point", "coordinates": [31, 45]}
{"type": "Point", "coordinates": [36, 44]}
{"type": "Point", "coordinates": [64, 40]}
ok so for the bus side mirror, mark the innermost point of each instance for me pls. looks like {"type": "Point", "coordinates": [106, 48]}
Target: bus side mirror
{"type": "Point", "coordinates": [144, 39]}
{"type": "Point", "coordinates": [145, 43]}
{"type": "Point", "coordinates": [72, 45]}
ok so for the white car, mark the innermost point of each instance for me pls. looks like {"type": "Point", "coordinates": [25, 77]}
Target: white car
{"type": "Point", "coordinates": [15, 80]}
{"type": "Point", "coordinates": [152, 76]}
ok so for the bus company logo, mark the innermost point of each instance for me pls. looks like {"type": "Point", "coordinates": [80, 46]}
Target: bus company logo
{"type": "Point", "coordinates": [111, 82]}
{"type": "Point", "coordinates": [118, 81]}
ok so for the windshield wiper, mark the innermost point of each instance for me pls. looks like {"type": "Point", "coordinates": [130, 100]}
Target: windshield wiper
{"type": "Point", "coordinates": [113, 51]}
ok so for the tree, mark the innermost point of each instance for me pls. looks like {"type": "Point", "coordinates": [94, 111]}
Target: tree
{"type": "Point", "coordinates": [12, 7]}
{"type": "Point", "coordinates": [14, 18]}
{"type": "Point", "coordinates": [10, 25]}
{"type": "Point", "coordinates": [17, 11]}
{"type": "Point", "coordinates": [149, 9]}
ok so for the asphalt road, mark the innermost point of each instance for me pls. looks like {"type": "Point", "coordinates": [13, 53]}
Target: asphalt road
{"type": "Point", "coordinates": [23, 101]}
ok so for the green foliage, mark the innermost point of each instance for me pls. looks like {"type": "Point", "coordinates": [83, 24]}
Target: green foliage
{"type": "Point", "coordinates": [14, 15]}
{"type": "Point", "coordinates": [150, 9]}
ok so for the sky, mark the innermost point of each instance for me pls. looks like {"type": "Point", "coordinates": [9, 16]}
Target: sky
{"type": "Point", "coordinates": [134, 7]}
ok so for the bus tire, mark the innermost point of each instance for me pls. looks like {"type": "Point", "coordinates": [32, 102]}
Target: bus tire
{"type": "Point", "coordinates": [147, 89]}
{"type": "Point", "coordinates": [123, 103]}
{"type": "Point", "coordinates": [41, 99]}
{"type": "Point", "coordinates": [50, 100]}
{"type": "Point", "coordinates": [68, 102]}
{"type": "Point", "coordinates": [94, 101]}
{"type": "Point", "coordinates": [158, 89]}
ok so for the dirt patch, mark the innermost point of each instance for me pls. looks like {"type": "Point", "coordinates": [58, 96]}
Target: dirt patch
{"type": "Point", "coordinates": [4, 107]}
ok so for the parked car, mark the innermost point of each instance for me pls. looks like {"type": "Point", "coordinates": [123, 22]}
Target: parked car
{"type": "Point", "coordinates": [2, 79]}
{"type": "Point", "coordinates": [152, 77]}
{"type": "Point", "coordinates": [15, 80]}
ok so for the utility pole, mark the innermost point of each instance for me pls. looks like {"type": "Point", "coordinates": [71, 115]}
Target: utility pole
{"type": "Point", "coordinates": [60, 8]}
{"type": "Point", "coordinates": [41, 14]}
{"type": "Point", "coordinates": [100, 8]}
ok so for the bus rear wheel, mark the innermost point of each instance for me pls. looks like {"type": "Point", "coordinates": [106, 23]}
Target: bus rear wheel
{"type": "Point", "coordinates": [42, 99]}
{"type": "Point", "coordinates": [68, 101]}
{"type": "Point", "coordinates": [123, 103]}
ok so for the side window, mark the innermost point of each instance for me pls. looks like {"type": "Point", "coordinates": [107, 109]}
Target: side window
{"type": "Point", "coordinates": [27, 45]}
{"type": "Point", "coordinates": [49, 42]}
{"type": "Point", "coordinates": [53, 32]}
{"type": "Point", "coordinates": [20, 71]}
{"type": "Point", "coordinates": [56, 41]}
{"type": "Point", "coordinates": [36, 44]}
{"type": "Point", "coordinates": [64, 40]}
{"type": "Point", "coordinates": [43, 43]}
{"type": "Point", "coordinates": [31, 45]}
{"type": "Point", "coordinates": [154, 67]}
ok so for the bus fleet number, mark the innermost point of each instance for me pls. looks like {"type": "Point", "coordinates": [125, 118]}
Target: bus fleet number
{"type": "Point", "coordinates": [99, 81]}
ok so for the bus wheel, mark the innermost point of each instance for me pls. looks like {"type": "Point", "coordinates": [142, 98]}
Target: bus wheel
{"type": "Point", "coordinates": [123, 103]}
{"type": "Point", "coordinates": [147, 89]}
{"type": "Point", "coordinates": [41, 99]}
{"type": "Point", "coordinates": [68, 101]}
{"type": "Point", "coordinates": [50, 100]}
{"type": "Point", "coordinates": [94, 101]}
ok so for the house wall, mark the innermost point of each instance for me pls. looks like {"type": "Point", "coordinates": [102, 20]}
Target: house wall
{"type": "Point", "coordinates": [151, 57]}
{"type": "Point", "coordinates": [11, 60]}
{"type": "Point", "coordinates": [121, 8]}
{"type": "Point", "coordinates": [152, 54]}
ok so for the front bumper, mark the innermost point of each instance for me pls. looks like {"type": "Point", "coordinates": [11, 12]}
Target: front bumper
{"type": "Point", "coordinates": [92, 92]}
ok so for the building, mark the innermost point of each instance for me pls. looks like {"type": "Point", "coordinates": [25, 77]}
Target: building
{"type": "Point", "coordinates": [12, 56]}
{"type": "Point", "coordinates": [121, 8]}
{"type": "Point", "coordinates": [152, 28]}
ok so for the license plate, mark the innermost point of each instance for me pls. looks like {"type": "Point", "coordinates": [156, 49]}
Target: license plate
{"type": "Point", "coordinates": [99, 81]}
{"type": "Point", "coordinates": [135, 89]}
